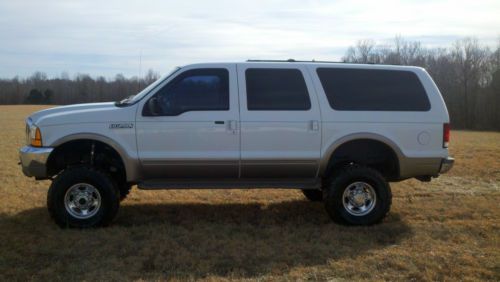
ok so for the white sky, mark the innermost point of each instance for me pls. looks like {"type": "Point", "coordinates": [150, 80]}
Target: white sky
{"type": "Point", "coordinates": [107, 37]}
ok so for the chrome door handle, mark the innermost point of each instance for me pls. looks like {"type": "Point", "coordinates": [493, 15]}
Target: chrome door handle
{"type": "Point", "coordinates": [233, 126]}
{"type": "Point", "coordinates": [314, 125]}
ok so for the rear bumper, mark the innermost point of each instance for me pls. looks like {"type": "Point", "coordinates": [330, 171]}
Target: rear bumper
{"type": "Point", "coordinates": [424, 168]}
{"type": "Point", "coordinates": [34, 161]}
{"type": "Point", "coordinates": [446, 164]}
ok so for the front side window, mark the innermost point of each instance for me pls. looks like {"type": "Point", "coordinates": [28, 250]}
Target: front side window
{"type": "Point", "coordinates": [193, 90]}
{"type": "Point", "coordinates": [276, 89]}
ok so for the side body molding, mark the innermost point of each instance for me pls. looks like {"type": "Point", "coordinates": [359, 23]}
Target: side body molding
{"type": "Point", "coordinates": [130, 161]}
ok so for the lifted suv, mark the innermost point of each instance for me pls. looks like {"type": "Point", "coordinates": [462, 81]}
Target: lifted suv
{"type": "Point", "coordinates": [338, 132]}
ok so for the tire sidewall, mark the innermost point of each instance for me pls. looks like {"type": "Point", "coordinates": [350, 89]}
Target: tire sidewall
{"type": "Point", "coordinates": [124, 190]}
{"type": "Point", "coordinates": [313, 195]}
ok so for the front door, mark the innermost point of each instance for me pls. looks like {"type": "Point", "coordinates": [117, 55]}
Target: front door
{"type": "Point", "coordinates": [189, 130]}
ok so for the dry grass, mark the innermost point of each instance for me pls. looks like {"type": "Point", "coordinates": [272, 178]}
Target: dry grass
{"type": "Point", "coordinates": [444, 230]}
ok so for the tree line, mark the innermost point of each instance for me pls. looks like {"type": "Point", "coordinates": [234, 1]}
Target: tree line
{"type": "Point", "coordinates": [467, 74]}
{"type": "Point", "coordinates": [38, 89]}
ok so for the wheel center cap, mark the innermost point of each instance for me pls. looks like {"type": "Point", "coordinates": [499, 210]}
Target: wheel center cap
{"type": "Point", "coordinates": [83, 200]}
{"type": "Point", "coordinates": [359, 199]}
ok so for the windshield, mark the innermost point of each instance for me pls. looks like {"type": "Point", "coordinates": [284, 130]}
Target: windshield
{"type": "Point", "coordinates": [134, 98]}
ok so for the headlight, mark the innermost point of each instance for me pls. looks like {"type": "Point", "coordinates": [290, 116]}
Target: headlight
{"type": "Point", "coordinates": [34, 136]}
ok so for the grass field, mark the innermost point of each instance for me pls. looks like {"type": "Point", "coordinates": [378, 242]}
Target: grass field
{"type": "Point", "coordinates": [448, 229]}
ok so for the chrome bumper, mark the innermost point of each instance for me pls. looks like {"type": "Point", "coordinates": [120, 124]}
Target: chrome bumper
{"type": "Point", "coordinates": [34, 160]}
{"type": "Point", "coordinates": [446, 164]}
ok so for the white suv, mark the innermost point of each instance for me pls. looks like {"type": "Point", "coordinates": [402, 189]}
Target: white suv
{"type": "Point", "coordinates": [339, 132]}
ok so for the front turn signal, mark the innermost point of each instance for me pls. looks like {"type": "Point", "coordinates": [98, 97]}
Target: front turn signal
{"type": "Point", "coordinates": [37, 141]}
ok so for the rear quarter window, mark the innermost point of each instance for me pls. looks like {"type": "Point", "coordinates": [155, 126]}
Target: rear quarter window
{"type": "Point", "coordinates": [373, 90]}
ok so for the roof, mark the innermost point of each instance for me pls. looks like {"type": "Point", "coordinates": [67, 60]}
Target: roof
{"type": "Point", "coordinates": [317, 64]}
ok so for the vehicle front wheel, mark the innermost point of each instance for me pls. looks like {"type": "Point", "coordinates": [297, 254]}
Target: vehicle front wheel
{"type": "Point", "coordinates": [83, 197]}
{"type": "Point", "coordinates": [358, 195]}
{"type": "Point", "coordinates": [124, 190]}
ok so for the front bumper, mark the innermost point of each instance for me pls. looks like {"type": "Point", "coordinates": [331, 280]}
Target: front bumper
{"type": "Point", "coordinates": [446, 164]}
{"type": "Point", "coordinates": [34, 160]}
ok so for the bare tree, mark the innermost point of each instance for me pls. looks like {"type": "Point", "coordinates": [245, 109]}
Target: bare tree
{"type": "Point", "coordinates": [471, 61]}
{"type": "Point", "coordinates": [363, 52]}
{"type": "Point", "coordinates": [151, 76]}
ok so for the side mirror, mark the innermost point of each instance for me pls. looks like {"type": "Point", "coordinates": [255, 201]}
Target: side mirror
{"type": "Point", "coordinates": [153, 106]}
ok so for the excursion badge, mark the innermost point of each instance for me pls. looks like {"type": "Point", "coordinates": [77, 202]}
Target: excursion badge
{"type": "Point", "coordinates": [121, 125]}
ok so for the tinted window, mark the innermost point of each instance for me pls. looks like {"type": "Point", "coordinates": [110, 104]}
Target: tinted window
{"type": "Point", "coordinates": [373, 90]}
{"type": "Point", "coordinates": [276, 89]}
{"type": "Point", "coordinates": [194, 90]}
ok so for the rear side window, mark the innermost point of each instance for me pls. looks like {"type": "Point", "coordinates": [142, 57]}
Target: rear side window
{"type": "Point", "coordinates": [276, 89]}
{"type": "Point", "coordinates": [373, 90]}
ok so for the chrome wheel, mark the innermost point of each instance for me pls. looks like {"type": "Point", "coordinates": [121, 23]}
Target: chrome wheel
{"type": "Point", "coordinates": [359, 198]}
{"type": "Point", "coordinates": [82, 201]}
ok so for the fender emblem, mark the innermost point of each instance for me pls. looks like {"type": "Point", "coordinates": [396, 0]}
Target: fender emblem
{"type": "Point", "coordinates": [121, 125]}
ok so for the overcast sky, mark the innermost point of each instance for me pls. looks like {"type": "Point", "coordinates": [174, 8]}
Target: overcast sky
{"type": "Point", "coordinates": [108, 37]}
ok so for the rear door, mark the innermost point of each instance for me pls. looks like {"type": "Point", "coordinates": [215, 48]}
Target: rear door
{"type": "Point", "coordinates": [280, 121]}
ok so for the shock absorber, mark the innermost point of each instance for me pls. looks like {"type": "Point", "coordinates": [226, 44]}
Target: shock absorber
{"type": "Point", "coordinates": [92, 149]}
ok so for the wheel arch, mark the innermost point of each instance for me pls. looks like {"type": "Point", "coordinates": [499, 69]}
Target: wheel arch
{"type": "Point", "coordinates": [130, 164]}
{"type": "Point", "coordinates": [327, 161]}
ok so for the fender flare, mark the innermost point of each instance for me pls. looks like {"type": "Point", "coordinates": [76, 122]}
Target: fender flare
{"type": "Point", "coordinates": [131, 163]}
{"type": "Point", "coordinates": [327, 154]}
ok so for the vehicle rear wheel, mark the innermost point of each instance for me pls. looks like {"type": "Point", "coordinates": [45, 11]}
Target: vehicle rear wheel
{"type": "Point", "coordinates": [313, 195]}
{"type": "Point", "coordinates": [83, 197]}
{"type": "Point", "coordinates": [358, 195]}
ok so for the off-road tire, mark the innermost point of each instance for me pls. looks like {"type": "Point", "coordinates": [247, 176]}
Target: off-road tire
{"type": "Point", "coordinates": [110, 197]}
{"type": "Point", "coordinates": [341, 180]}
{"type": "Point", "coordinates": [124, 190]}
{"type": "Point", "coordinates": [313, 195]}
